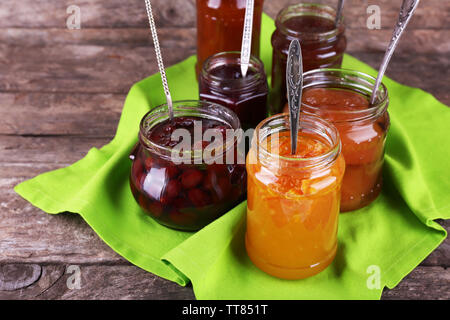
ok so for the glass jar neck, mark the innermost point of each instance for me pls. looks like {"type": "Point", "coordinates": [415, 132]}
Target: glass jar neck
{"type": "Point", "coordinates": [188, 108]}
{"type": "Point", "coordinates": [309, 10]}
{"type": "Point", "coordinates": [356, 81]}
{"type": "Point", "coordinates": [312, 125]}
{"type": "Point", "coordinates": [222, 72]}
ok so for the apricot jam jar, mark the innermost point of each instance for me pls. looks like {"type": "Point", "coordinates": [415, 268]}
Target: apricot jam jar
{"type": "Point", "coordinates": [219, 27]}
{"type": "Point", "coordinates": [221, 82]}
{"type": "Point", "coordinates": [342, 97]}
{"type": "Point", "coordinates": [183, 188]}
{"type": "Point", "coordinates": [323, 43]}
{"type": "Point", "coordinates": [293, 200]}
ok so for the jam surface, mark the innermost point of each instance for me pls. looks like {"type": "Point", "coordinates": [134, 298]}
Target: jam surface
{"type": "Point", "coordinates": [292, 213]}
{"type": "Point", "coordinates": [362, 141]}
{"type": "Point", "coordinates": [162, 132]}
{"type": "Point", "coordinates": [185, 196]}
{"type": "Point", "coordinates": [247, 97]}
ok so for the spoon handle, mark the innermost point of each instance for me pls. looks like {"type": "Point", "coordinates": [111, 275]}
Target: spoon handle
{"type": "Point", "coordinates": [406, 12]}
{"type": "Point", "coordinates": [340, 7]}
{"type": "Point", "coordinates": [159, 59]}
{"type": "Point", "coordinates": [294, 81]}
{"type": "Point", "coordinates": [247, 37]}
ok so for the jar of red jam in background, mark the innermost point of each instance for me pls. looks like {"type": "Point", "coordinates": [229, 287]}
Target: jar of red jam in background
{"type": "Point", "coordinates": [293, 200]}
{"type": "Point", "coordinates": [187, 196]}
{"type": "Point", "coordinates": [219, 27]}
{"type": "Point", "coordinates": [342, 97]}
{"type": "Point", "coordinates": [221, 82]}
{"type": "Point", "coordinates": [323, 43]}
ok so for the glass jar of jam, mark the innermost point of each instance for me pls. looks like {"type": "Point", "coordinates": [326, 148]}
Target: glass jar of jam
{"type": "Point", "coordinates": [221, 82]}
{"type": "Point", "coordinates": [342, 97]}
{"type": "Point", "coordinates": [323, 43]}
{"type": "Point", "coordinates": [184, 187]}
{"type": "Point", "coordinates": [219, 27]}
{"type": "Point", "coordinates": [293, 200]}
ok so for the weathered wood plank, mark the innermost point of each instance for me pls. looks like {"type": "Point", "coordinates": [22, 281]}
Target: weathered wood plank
{"type": "Point", "coordinates": [130, 282]}
{"type": "Point", "coordinates": [113, 69]}
{"type": "Point", "coordinates": [94, 14]}
{"type": "Point", "coordinates": [79, 68]}
{"type": "Point", "coordinates": [129, 37]}
{"type": "Point", "coordinates": [432, 14]}
{"type": "Point", "coordinates": [97, 282]}
{"type": "Point", "coordinates": [424, 71]}
{"type": "Point", "coordinates": [60, 114]}
{"type": "Point", "coordinates": [423, 283]}
{"type": "Point", "coordinates": [361, 40]}
{"type": "Point", "coordinates": [52, 150]}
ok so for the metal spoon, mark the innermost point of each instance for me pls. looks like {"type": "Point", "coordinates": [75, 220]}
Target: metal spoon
{"type": "Point", "coordinates": [247, 37]}
{"type": "Point", "coordinates": [159, 59]}
{"type": "Point", "coordinates": [406, 12]}
{"type": "Point", "coordinates": [340, 7]}
{"type": "Point", "coordinates": [294, 81]}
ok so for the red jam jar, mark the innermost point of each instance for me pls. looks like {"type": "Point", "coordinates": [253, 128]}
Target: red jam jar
{"type": "Point", "coordinates": [323, 43]}
{"type": "Point", "coordinates": [342, 97]}
{"type": "Point", "coordinates": [190, 190]}
{"type": "Point", "coordinates": [219, 27]}
{"type": "Point", "coordinates": [221, 82]}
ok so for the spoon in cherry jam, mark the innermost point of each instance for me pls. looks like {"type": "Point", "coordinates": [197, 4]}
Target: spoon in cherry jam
{"type": "Point", "coordinates": [159, 59]}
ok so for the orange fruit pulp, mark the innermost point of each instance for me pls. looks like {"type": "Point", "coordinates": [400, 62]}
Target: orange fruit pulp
{"type": "Point", "coordinates": [292, 211]}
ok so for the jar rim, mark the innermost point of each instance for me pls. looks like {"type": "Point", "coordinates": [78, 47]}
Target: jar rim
{"type": "Point", "coordinates": [309, 9]}
{"type": "Point", "coordinates": [321, 127]}
{"type": "Point", "coordinates": [160, 114]}
{"type": "Point", "coordinates": [378, 107]}
{"type": "Point", "coordinates": [219, 59]}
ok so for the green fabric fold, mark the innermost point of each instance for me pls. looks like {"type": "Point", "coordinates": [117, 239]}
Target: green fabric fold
{"type": "Point", "coordinates": [390, 237]}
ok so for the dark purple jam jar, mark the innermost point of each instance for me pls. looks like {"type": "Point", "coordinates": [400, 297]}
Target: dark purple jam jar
{"type": "Point", "coordinates": [221, 82]}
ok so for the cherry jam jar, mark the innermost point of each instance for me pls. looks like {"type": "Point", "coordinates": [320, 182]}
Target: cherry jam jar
{"type": "Point", "coordinates": [219, 27]}
{"type": "Point", "coordinates": [342, 97]}
{"type": "Point", "coordinates": [323, 43]}
{"type": "Point", "coordinates": [182, 188]}
{"type": "Point", "coordinates": [221, 82]}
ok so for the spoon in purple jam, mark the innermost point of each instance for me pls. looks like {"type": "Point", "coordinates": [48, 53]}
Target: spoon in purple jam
{"type": "Point", "coordinates": [406, 12]}
{"type": "Point", "coordinates": [246, 47]}
{"type": "Point", "coordinates": [294, 81]}
{"type": "Point", "coordinates": [159, 59]}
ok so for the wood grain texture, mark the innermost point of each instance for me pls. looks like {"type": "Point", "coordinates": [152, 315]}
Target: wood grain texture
{"type": "Point", "coordinates": [98, 282]}
{"type": "Point", "coordinates": [431, 14]}
{"type": "Point", "coordinates": [364, 40]}
{"type": "Point", "coordinates": [62, 91]}
{"type": "Point", "coordinates": [129, 282]}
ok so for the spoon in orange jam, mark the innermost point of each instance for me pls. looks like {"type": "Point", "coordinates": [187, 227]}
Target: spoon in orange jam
{"type": "Point", "coordinates": [294, 81]}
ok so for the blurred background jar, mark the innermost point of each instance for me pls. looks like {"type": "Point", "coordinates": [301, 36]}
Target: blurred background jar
{"type": "Point", "coordinates": [342, 97]}
{"type": "Point", "coordinates": [221, 82]}
{"type": "Point", "coordinates": [191, 194]}
{"type": "Point", "coordinates": [219, 27]}
{"type": "Point", "coordinates": [323, 43]}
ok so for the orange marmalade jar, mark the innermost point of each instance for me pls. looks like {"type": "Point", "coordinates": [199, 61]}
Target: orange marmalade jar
{"type": "Point", "coordinates": [293, 200]}
{"type": "Point", "coordinates": [342, 97]}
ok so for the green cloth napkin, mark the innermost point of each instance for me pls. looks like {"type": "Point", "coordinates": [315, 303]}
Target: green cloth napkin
{"type": "Point", "coordinates": [387, 239]}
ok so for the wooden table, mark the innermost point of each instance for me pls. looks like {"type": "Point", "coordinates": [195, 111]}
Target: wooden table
{"type": "Point", "coordinates": [62, 91]}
